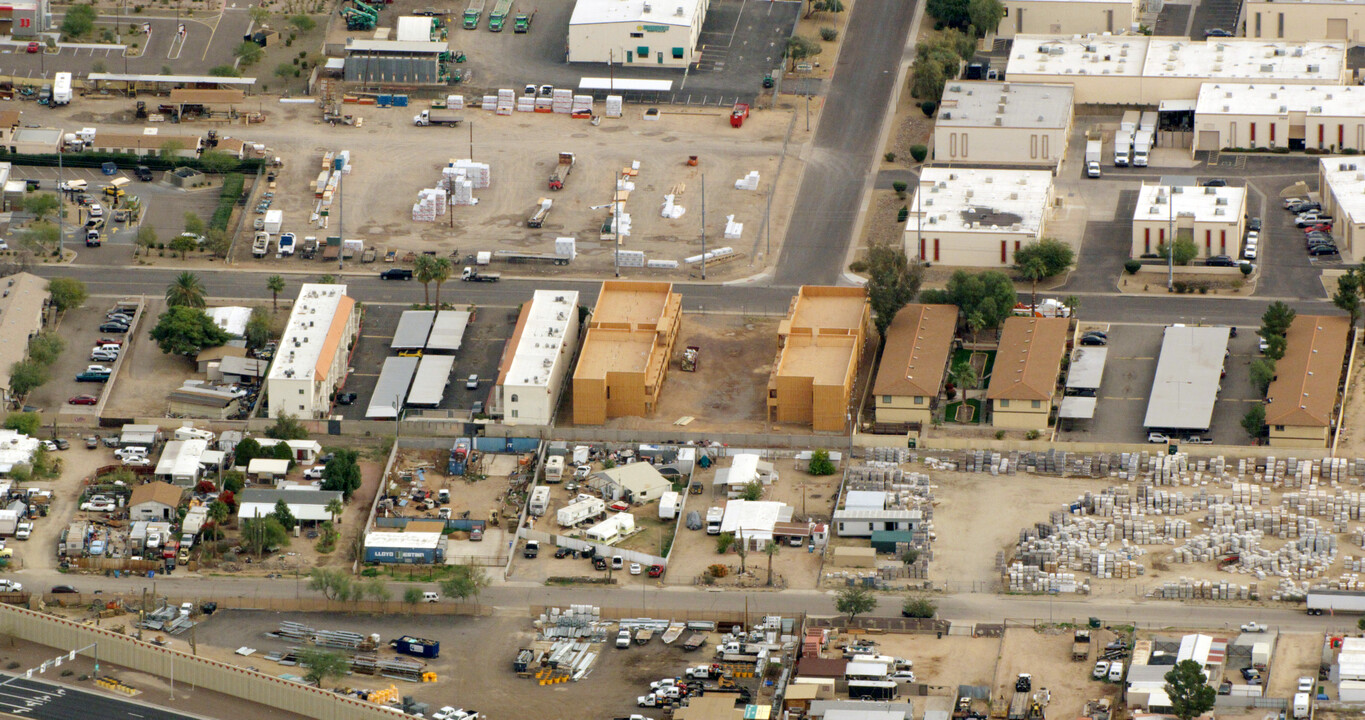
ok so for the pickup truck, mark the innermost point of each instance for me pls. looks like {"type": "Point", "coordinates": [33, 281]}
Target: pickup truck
{"type": "Point", "coordinates": [396, 274]}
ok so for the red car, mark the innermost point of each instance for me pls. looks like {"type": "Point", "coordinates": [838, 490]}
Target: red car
{"type": "Point", "coordinates": [109, 341]}
{"type": "Point", "coordinates": [84, 400]}
{"type": "Point", "coordinates": [656, 571]}
{"type": "Point", "coordinates": [1320, 227]}
{"type": "Point", "coordinates": [33, 47]}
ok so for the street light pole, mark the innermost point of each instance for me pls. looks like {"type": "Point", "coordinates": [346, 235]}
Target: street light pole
{"type": "Point", "coordinates": [1170, 239]}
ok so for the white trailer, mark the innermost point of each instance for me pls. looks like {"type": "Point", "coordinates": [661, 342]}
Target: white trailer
{"type": "Point", "coordinates": [1333, 601]}
{"type": "Point", "coordinates": [584, 507]}
{"type": "Point", "coordinates": [1123, 147]}
{"type": "Point", "coordinates": [554, 468]}
{"type": "Point", "coordinates": [1130, 121]}
{"type": "Point", "coordinates": [273, 220]}
{"type": "Point", "coordinates": [540, 500]}
{"type": "Point", "coordinates": [1148, 121]}
{"type": "Point", "coordinates": [1142, 147]}
{"type": "Point", "coordinates": [668, 505]}
{"type": "Point", "coordinates": [9, 522]}
{"type": "Point", "coordinates": [61, 88]}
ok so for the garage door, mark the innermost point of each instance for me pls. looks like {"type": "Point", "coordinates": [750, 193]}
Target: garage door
{"type": "Point", "coordinates": [1336, 28]}
{"type": "Point", "coordinates": [1208, 140]}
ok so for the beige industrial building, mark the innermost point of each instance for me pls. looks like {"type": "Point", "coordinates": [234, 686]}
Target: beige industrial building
{"type": "Point", "coordinates": [1069, 17]}
{"type": "Point", "coordinates": [1211, 217]}
{"type": "Point", "coordinates": [536, 359]}
{"type": "Point", "coordinates": [919, 344]}
{"type": "Point", "coordinates": [1003, 123]}
{"type": "Point", "coordinates": [976, 217]}
{"type": "Point", "coordinates": [649, 33]}
{"type": "Point", "coordinates": [626, 351]}
{"type": "Point", "coordinates": [1024, 376]}
{"type": "Point", "coordinates": [1301, 403]}
{"type": "Point", "coordinates": [820, 344]}
{"type": "Point", "coordinates": [1304, 19]}
{"type": "Point", "coordinates": [314, 353]}
{"type": "Point", "coordinates": [22, 315]}
{"type": "Point", "coordinates": [1342, 188]}
{"type": "Point", "coordinates": [1142, 70]}
{"type": "Point", "coordinates": [1321, 117]}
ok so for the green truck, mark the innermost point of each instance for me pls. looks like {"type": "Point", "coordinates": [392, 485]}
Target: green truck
{"type": "Point", "coordinates": [472, 13]}
{"type": "Point", "coordinates": [498, 17]}
{"type": "Point", "coordinates": [521, 24]}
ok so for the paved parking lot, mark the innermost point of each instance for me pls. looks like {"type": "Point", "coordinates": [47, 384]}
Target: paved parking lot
{"type": "Point", "coordinates": [484, 340]}
{"type": "Point", "coordinates": [80, 330]}
{"type": "Point", "coordinates": [1127, 383]}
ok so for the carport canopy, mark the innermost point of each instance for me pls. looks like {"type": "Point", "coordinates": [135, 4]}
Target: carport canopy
{"type": "Point", "coordinates": [167, 82]}
{"type": "Point", "coordinates": [1087, 368]}
{"type": "Point", "coordinates": [1075, 407]}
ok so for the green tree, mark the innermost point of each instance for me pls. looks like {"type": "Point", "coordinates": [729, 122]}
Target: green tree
{"type": "Point", "coordinates": [1253, 422]}
{"type": "Point", "coordinates": [46, 347]}
{"type": "Point", "coordinates": [260, 534]}
{"type": "Point", "coordinates": [723, 542]}
{"type": "Point", "coordinates": [1188, 688]}
{"type": "Point", "coordinates": [284, 515]}
{"type": "Point", "coordinates": [78, 21]}
{"type": "Point", "coordinates": [985, 16]}
{"type": "Point", "coordinates": [275, 284]}
{"type": "Point", "coordinates": [1276, 320]}
{"type": "Point", "coordinates": [67, 293]}
{"type": "Point", "coordinates": [287, 427]}
{"type": "Point", "coordinates": [258, 331]}
{"type": "Point", "coordinates": [171, 149]}
{"type": "Point", "coordinates": [183, 330]}
{"type": "Point", "coordinates": [24, 423]}
{"type": "Point", "coordinates": [440, 272]}
{"type": "Point", "coordinates": [224, 71]}
{"type": "Point", "coordinates": [218, 242]}
{"type": "Point", "coordinates": [752, 491]}
{"type": "Point", "coordinates": [1033, 270]}
{"type": "Point", "coordinates": [334, 584]}
{"type": "Point", "coordinates": [829, 6]}
{"type": "Point", "coordinates": [322, 664]}
{"type": "Point", "coordinates": [146, 237]}
{"type": "Point", "coordinates": [854, 601]}
{"type": "Point", "coordinates": [1054, 256]}
{"type": "Point", "coordinates": [919, 607]}
{"type": "Point", "coordinates": [194, 224]}
{"type": "Point", "coordinates": [938, 60]}
{"type": "Point", "coordinates": [247, 449]}
{"type": "Point", "coordinates": [893, 281]}
{"type": "Point", "coordinates": [42, 236]}
{"type": "Point", "coordinates": [284, 70]}
{"type": "Point", "coordinates": [770, 550]}
{"type": "Point", "coordinates": [1347, 296]}
{"type": "Point", "coordinates": [987, 296]}
{"type": "Point", "coordinates": [952, 13]}
{"type": "Point", "coordinates": [800, 47]}
{"type": "Point", "coordinates": [249, 53]}
{"type": "Point", "coordinates": [412, 595]}
{"type": "Point", "coordinates": [41, 205]}
{"type": "Point", "coordinates": [335, 508]}
{"type": "Point", "coordinates": [963, 375]}
{"type": "Point", "coordinates": [1275, 345]}
{"type": "Point", "coordinates": [424, 271]}
{"type": "Point", "coordinates": [1262, 373]}
{"type": "Point", "coordinates": [342, 473]}
{"type": "Point", "coordinates": [219, 512]}
{"type": "Point", "coordinates": [186, 291]}
{"type": "Point", "coordinates": [820, 464]}
{"type": "Point", "coordinates": [302, 23]}
{"type": "Point", "coordinates": [235, 480]}
{"type": "Point", "coordinates": [26, 376]}
{"type": "Point", "coordinates": [378, 590]}
{"type": "Point", "coordinates": [183, 244]}
{"type": "Point", "coordinates": [466, 581]}
{"type": "Point", "coordinates": [217, 161]}
{"type": "Point", "coordinates": [1185, 251]}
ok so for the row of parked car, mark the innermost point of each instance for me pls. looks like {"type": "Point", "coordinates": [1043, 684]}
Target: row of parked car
{"type": "Point", "coordinates": [1316, 226]}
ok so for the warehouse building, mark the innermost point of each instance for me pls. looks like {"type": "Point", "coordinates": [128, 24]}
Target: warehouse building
{"type": "Point", "coordinates": [1301, 403]}
{"type": "Point", "coordinates": [919, 344]}
{"type": "Point", "coordinates": [626, 351]}
{"type": "Point", "coordinates": [1303, 20]}
{"type": "Point", "coordinates": [1299, 117]}
{"type": "Point", "coordinates": [976, 217]}
{"type": "Point", "coordinates": [1342, 183]}
{"type": "Point", "coordinates": [819, 347]}
{"type": "Point", "coordinates": [1142, 70]}
{"type": "Point", "coordinates": [1189, 375]}
{"type": "Point", "coordinates": [1024, 376]}
{"type": "Point", "coordinates": [419, 548]}
{"type": "Point", "coordinates": [536, 359]}
{"type": "Point", "coordinates": [23, 307]}
{"type": "Point", "coordinates": [395, 62]}
{"type": "Point", "coordinates": [1003, 123]}
{"type": "Point", "coordinates": [649, 33]}
{"type": "Point", "coordinates": [24, 19]}
{"type": "Point", "coordinates": [1069, 17]}
{"type": "Point", "coordinates": [1211, 217]}
{"type": "Point", "coordinates": [314, 352]}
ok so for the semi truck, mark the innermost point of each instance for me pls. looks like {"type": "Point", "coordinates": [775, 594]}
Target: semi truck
{"type": "Point", "coordinates": [472, 13]}
{"type": "Point", "coordinates": [472, 275]}
{"type": "Point", "coordinates": [437, 117]}
{"type": "Point", "coordinates": [61, 88]}
{"type": "Point", "coordinates": [1334, 601]}
{"type": "Point", "coordinates": [499, 15]}
{"type": "Point", "coordinates": [1094, 151]}
{"type": "Point", "coordinates": [521, 23]}
{"type": "Point", "coordinates": [561, 171]}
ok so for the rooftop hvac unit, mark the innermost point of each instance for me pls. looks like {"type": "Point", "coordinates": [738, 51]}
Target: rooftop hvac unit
{"type": "Point", "coordinates": [1210, 191]}
{"type": "Point", "coordinates": [547, 362]}
{"type": "Point", "coordinates": [559, 298]}
{"type": "Point", "coordinates": [1279, 52]}
{"type": "Point", "coordinates": [1221, 201]}
{"type": "Point", "coordinates": [679, 11]}
{"type": "Point", "coordinates": [1313, 68]}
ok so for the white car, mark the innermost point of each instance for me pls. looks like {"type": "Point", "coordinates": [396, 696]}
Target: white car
{"type": "Point", "coordinates": [96, 210]}
{"type": "Point", "coordinates": [24, 531]}
{"type": "Point", "coordinates": [635, 568]}
{"type": "Point", "coordinates": [623, 639]}
{"type": "Point", "coordinates": [1253, 627]}
{"type": "Point", "coordinates": [10, 586]}
{"type": "Point", "coordinates": [314, 473]}
{"type": "Point", "coordinates": [100, 506]}
{"type": "Point", "coordinates": [1157, 438]}
{"type": "Point", "coordinates": [1101, 670]}
{"type": "Point", "coordinates": [1307, 684]}
{"type": "Point", "coordinates": [472, 382]}
{"type": "Point", "coordinates": [49, 446]}
{"type": "Point", "coordinates": [103, 356]}
{"type": "Point", "coordinates": [99, 369]}
{"type": "Point", "coordinates": [132, 451]}
{"type": "Point", "coordinates": [137, 461]}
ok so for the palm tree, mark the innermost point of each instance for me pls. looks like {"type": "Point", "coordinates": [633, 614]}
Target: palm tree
{"type": "Point", "coordinates": [1034, 269]}
{"type": "Point", "coordinates": [440, 273]}
{"type": "Point", "coordinates": [1073, 304]}
{"type": "Point", "coordinates": [425, 272]}
{"type": "Point", "coordinates": [770, 551]}
{"type": "Point", "coordinates": [335, 508]}
{"type": "Point", "coordinates": [186, 290]}
{"type": "Point", "coordinates": [275, 284]}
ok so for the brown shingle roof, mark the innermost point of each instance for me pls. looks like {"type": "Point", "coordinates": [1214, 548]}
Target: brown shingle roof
{"type": "Point", "coordinates": [164, 493]}
{"type": "Point", "coordinates": [1029, 358]}
{"type": "Point", "coordinates": [916, 353]}
{"type": "Point", "coordinates": [1304, 392]}
{"type": "Point", "coordinates": [9, 118]}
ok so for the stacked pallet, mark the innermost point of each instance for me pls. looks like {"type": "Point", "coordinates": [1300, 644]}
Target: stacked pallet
{"type": "Point", "coordinates": [562, 101]}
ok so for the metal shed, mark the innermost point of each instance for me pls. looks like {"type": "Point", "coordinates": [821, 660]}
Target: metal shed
{"type": "Point", "coordinates": [1087, 368]}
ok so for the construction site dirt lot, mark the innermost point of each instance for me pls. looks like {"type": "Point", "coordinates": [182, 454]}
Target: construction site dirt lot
{"type": "Point", "coordinates": [694, 551]}
{"type": "Point", "coordinates": [1296, 656]}
{"type": "Point", "coordinates": [393, 160]}
{"type": "Point", "coordinates": [944, 662]}
{"type": "Point", "coordinates": [475, 665]}
{"type": "Point", "coordinates": [479, 495]}
{"type": "Point", "coordinates": [1046, 655]}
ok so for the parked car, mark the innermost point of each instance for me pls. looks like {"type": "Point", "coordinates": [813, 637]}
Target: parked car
{"type": "Point", "coordinates": [111, 327]}
{"type": "Point", "coordinates": [345, 398]}
{"type": "Point", "coordinates": [1217, 33]}
{"type": "Point", "coordinates": [1101, 670]}
{"type": "Point", "coordinates": [10, 586]}
{"type": "Point", "coordinates": [1254, 627]}
{"type": "Point", "coordinates": [472, 382]}
{"type": "Point", "coordinates": [1157, 438]}
{"type": "Point", "coordinates": [1310, 219]}
{"type": "Point", "coordinates": [32, 48]}
{"type": "Point", "coordinates": [1320, 227]}
{"type": "Point", "coordinates": [1215, 182]}
{"type": "Point", "coordinates": [1094, 340]}
{"type": "Point", "coordinates": [623, 639]}
{"type": "Point", "coordinates": [656, 571]}
{"type": "Point", "coordinates": [1307, 684]}
{"type": "Point", "coordinates": [635, 568]}
{"type": "Point", "coordinates": [84, 400]}
{"type": "Point", "coordinates": [396, 274]}
{"type": "Point", "coordinates": [1320, 250]}
{"type": "Point", "coordinates": [1254, 224]}
{"type": "Point", "coordinates": [1220, 261]}
{"type": "Point", "coordinates": [1249, 252]}
{"type": "Point", "coordinates": [64, 590]}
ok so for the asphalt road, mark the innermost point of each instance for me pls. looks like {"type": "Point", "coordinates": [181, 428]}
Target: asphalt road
{"type": "Point", "coordinates": [46, 701]}
{"type": "Point", "coordinates": [831, 191]}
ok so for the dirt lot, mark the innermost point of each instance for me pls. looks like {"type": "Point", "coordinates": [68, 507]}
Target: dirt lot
{"type": "Point", "coordinates": [481, 680]}
{"type": "Point", "coordinates": [1295, 656]}
{"type": "Point", "coordinates": [945, 662]}
{"type": "Point", "coordinates": [477, 495]}
{"type": "Point", "coordinates": [1047, 656]}
{"type": "Point", "coordinates": [38, 552]}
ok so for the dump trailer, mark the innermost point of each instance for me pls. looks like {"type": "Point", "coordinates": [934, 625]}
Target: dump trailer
{"type": "Point", "coordinates": [541, 212]}
{"type": "Point", "coordinates": [437, 117]}
{"type": "Point", "coordinates": [1080, 646]}
{"type": "Point", "coordinates": [472, 13]}
{"type": "Point", "coordinates": [419, 647]}
{"type": "Point", "coordinates": [561, 171]}
{"type": "Point", "coordinates": [1019, 705]}
{"type": "Point", "coordinates": [694, 641]}
{"type": "Point", "coordinates": [1334, 601]}
{"type": "Point", "coordinates": [498, 17]}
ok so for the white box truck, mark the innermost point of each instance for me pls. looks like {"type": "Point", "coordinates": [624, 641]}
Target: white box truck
{"type": "Point", "coordinates": [1094, 151]}
{"type": "Point", "coordinates": [1142, 147]}
{"type": "Point", "coordinates": [1148, 120]}
{"type": "Point", "coordinates": [61, 88]}
{"type": "Point", "coordinates": [1300, 705]}
{"type": "Point", "coordinates": [1129, 123]}
{"type": "Point", "coordinates": [1123, 147]}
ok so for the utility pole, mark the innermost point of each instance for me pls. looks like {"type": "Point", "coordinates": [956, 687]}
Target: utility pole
{"type": "Point", "coordinates": [341, 224]}
{"type": "Point", "coordinates": [616, 225]}
{"type": "Point", "coordinates": [703, 226]}
{"type": "Point", "coordinates": [767, 222]}
{"type": "Point", "coordinates": [61, 226]}
{"type": "Point", "coordinates": [1170, 239]}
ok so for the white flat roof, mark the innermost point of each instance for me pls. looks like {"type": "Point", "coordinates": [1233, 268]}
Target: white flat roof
{"type": "Point", "coordinates": [1204, 204]}
{"type": "Point", "coordinates": [1087, 367]}
{"type": "Point", "coordinates": [232, 319]}
{"type": "Point", "coordinates": [189, 79]}
{"type": "Point", "coordinates": [15, 449]}
{"type": "Point", "coordinates": [1075, 407]}
{"type": "Point", "coordinates": [429, 385]}
{"type": "Point", "coordinates": [1346, 177]}
{"type": "Point", "coordinates": [1016, 105]}
{"type": "Point", "coordinates": [538, 348]}
{"type": "Point", "coordinates": [395, 378]}
{"type": "Point", "coordinates": [181, 457]}
{"type": "Point", "coordinates": [1279, 100]}
{"type": "Point", "coordinates": [304, 335]}
{"type": "Point", "coordinates": [1140, 56]}
{"type": "Point", "coordinates": [447, 332]}
{"type": "Point", "coordinates": [402, 539]}
{"type": "Point", "coordinates": [1187, 378]}
{"type": "Point", "coordinates": [414, 28]}
{"type": "Point", "coordinates": [622, 84]}
{"type": "Point", "coordinates": [980, 200]}
{"type": "Point", "coordinates": [413, 328]}
{"type": "Point", "coordinates": [647, 12]}
{"type": "Point", "coordinates": [754, 517]}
